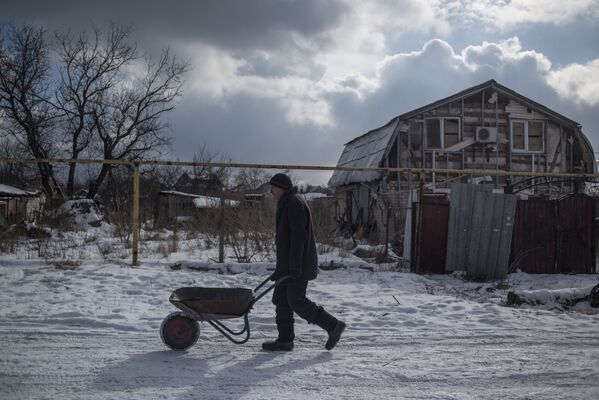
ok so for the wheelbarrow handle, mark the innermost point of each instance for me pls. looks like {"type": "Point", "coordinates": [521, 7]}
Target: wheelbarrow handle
{"type": "Point", "coordinates": [271, 287]}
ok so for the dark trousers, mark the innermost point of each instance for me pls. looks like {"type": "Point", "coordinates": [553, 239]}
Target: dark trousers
{"type": "Point", "coordinates": [289, 299]}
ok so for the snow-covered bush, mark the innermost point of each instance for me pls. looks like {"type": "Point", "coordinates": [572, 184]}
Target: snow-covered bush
{"type": "Point", "coordinates": [81, 214]}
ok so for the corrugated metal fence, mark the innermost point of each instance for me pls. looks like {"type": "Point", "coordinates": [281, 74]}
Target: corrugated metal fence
{"type": "Point", "coordinates": [481, 243]}
{"type": "Point", "coordinates": [460, 222]}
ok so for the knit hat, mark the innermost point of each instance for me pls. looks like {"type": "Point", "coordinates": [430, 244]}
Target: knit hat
{"type": "Point", "coordinates": [281, 180]}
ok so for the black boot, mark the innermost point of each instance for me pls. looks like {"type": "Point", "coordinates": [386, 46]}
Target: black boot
{"type": "Point", "coordinates": [335, 335]}
{"type": "Point", "coordinates": [332, 325]}
{"type": "Point", "coordinates": [278, 345]}
{"type": "Point", "coordinates": [285, 340]}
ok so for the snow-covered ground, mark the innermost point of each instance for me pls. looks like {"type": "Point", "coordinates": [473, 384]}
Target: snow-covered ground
{"type": "Point", "coordinates": [78, 322]}
{"type": "Point", "coordinates": [92, 333]}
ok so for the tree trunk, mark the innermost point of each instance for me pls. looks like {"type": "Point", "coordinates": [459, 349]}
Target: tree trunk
{"type": "Point", "coordinates": [46, 170]}
{"type": "Point", "coordinates": [45, 179]}
{"type": "Point", "coordinates": [95, 185]}
{"type": "Point", "coordinates": [71, 181]}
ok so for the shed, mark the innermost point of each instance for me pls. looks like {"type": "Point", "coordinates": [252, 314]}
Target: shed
{"type": "Point", "coordinates": [174, 204]}
{"type": "Point", "coordinates": [18, 205]}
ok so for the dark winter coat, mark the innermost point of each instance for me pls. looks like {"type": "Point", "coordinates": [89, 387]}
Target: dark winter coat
{"type": "Point", "coordinates": [295, 243]}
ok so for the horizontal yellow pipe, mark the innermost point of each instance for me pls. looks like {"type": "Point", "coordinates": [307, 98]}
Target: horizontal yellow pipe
{"type": "Point", "coordinates": [477, 172]}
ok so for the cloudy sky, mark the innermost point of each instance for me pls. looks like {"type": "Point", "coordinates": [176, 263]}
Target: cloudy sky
{"type": "Point", "coordinates": [291, 81]}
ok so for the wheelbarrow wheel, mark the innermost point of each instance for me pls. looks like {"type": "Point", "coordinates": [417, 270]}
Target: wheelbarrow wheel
{"type": "Point", "coordinates": [179, 332]}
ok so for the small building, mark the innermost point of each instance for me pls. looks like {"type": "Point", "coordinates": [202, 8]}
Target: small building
{"type": "Point", "coordinates": [174, 205]}
{"type": "Point", "coordinates": [19, 205]}
{"type": "Point", "coordinates": [194, 185]}
{"type": "Point", "coordinates": [488, 126]}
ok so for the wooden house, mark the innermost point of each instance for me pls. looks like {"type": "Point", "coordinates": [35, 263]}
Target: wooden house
{"type": "Point", "coordinates": [485, 127]}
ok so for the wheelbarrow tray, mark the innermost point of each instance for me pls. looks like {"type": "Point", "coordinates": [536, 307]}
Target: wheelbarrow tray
{"type": "Point", "coordinates": [213, 303]}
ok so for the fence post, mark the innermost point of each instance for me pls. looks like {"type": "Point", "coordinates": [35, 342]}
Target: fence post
{"type": "Point", "coordinates": [221, 230]}
{"type": "Point", "coordinates": [419, 225]}
{"type": "Point", "coordinates": [135, 227]}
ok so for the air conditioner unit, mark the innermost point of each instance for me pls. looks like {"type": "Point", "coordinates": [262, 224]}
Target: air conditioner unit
{"type": "Point", "coordinates": [486, 134]}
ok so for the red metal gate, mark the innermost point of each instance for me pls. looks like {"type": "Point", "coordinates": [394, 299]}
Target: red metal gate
{"type": "Point", "coordinates": [533, 238]}
{"type": "Point", "coordinates": [429, 238]}
{"type": "Point", "coordinates": [575, 235]}
{"type": "Point", "coordinates": [554, 236]}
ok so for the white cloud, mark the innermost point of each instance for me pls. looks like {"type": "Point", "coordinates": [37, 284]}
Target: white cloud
{"type": "Point", "coordinates": [502, 14]}
{"type": "Point", "coordinates": [397, 83]}
{"type": "Point", "coordinates": [365, 34]}
{"type": "Point", "coordinates": [406, 81]}
{"type": "Point", "coordinates": [302, 74]}
{"type": "Point", "coordinates": [501, 54]}
{"type": "Point", "coordinates": [221, 77]}
{"type": "Point", "coordinates": [577, 82]}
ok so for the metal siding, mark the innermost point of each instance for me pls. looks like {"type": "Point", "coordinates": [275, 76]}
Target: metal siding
{"type": "Point", "coordinates": [493, 253]}
{"type": "Point", "coordinates": [474, 240]}
{"type": "Point", "coordinates": [364, 202]}
{"type": "Point", "coordinates": [506, 229]}
{"type": "Point", "coordinates": [490, 235]}
{"type": "Point", "coordinates": [534, 244]}
{"type": "Point", "coordinates": [575, 234]}
{"type": "Point", "coordinates": [367, 152]}
{"type": "Point", "coordinates": [460, 220]}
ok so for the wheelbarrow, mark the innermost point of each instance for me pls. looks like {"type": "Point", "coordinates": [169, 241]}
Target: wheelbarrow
{"type": "Point", "coordinates": [181, 329]}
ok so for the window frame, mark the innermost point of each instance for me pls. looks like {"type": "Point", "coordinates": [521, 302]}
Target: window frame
{"type": "Point", "coordinates": [526, 144]}
{"type": "Point", "coordinates": [441, 121]}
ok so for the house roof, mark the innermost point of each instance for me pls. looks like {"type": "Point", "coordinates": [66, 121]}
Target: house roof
{"type": "Point", "coordinates": [176, 193]}
{"type": "Point", "coordinates": [9, 191]}
{"type": "Point", "coordinates": [500, 88]}
{"type": "Point", "coordinates": [367, 151]}
{"type": "Point", "coordinates": [200, 201]}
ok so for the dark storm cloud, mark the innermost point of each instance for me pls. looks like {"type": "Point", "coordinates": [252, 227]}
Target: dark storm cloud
{"type": "Point", "coordinates": [225, 23]}
{"type": "Point", "coordinates": [250, 130]}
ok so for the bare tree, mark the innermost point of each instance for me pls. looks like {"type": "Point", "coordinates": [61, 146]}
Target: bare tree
{"type": "Point", "coordinates": [88, 68]}
{"type": "Point", "coordinates": [250, 179]}
{"type": "Point", "coordinates": [204, 155]}
{"type": "Point", "coordinates": [24, 80]}
{"type": "Point", "coordinates": [13, 173]}
{"type": "Point", "coordinates": [127, 119]}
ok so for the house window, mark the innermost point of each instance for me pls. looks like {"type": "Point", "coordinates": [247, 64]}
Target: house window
{"type": "Point", "coordinates": [433, 134]}
{"type": "Point", "coordinates": [451, 132]}
{"type": "Point", "coordinates": [527, 136]}
{"type": "Point", "coordinates": [442, 133]}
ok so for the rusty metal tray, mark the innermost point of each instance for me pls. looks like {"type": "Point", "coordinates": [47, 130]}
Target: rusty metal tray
{"type": "Point", "coordinates": [215, 301]}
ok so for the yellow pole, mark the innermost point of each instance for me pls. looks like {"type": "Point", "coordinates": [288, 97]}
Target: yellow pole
{"type": "Point", "coordinates": [135, 227]}
{"type": "Point", "coordinates": [586, 176]}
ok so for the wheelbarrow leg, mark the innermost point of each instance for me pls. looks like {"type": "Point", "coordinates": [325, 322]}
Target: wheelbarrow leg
{"type": "Point", "coordinates": [226, 332]}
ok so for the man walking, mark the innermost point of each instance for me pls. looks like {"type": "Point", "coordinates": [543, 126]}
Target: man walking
{"type": "Point", "coordinates": [296, 259]}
